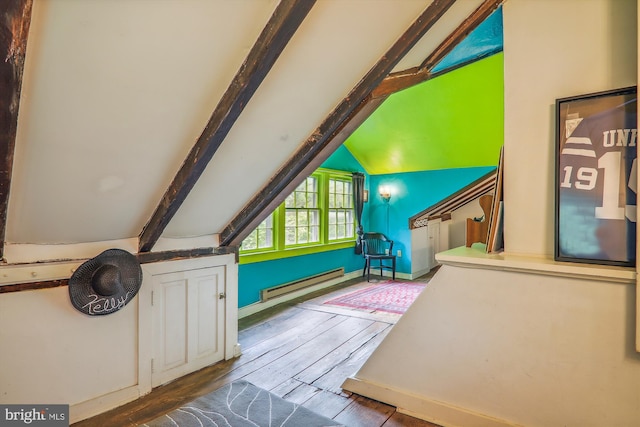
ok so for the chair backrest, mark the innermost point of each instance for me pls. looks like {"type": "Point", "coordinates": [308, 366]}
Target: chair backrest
{"type": "Point", "coordinates": [376, 244]}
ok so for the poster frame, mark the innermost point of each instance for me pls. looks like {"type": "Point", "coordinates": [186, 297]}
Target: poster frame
{"type": "Point", "coordinates": [570, 112]}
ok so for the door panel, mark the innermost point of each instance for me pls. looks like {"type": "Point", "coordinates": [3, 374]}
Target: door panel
{"type": "Point", "coordinates": [209, 313]}
{"type": "Point", "coordinates": [188, 322]}
{"type": "Point", "coordinates": [434, 242]}
{"type": "Point", "coordinates": [174, 318]}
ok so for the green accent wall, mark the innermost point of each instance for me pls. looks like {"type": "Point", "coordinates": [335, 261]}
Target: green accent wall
{"type": "Point", "coordinates": [452, 121]}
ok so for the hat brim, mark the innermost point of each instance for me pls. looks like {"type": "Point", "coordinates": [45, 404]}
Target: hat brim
{"type": "Point", "coordinates": [86, 300]}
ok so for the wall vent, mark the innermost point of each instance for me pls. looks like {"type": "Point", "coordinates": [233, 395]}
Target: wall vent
{"type": "Point", "coordinates": [270, 293]}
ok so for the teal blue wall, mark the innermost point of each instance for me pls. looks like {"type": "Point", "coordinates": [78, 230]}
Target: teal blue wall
{"type": "Point", "coordinates": [343, 160]}
{"type": "Point", "coordinates": [260, 275]}
{"type": "Point", "coordinates": [412, 192]}
{"type": "Point", "coordinates": [485, 40]}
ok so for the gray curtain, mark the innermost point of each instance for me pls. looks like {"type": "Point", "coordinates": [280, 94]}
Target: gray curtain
{"type": "Point", "coordinates": [358, 204]}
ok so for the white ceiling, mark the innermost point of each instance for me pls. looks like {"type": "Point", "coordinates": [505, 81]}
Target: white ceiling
{"type": "Point", "coordinates": [115, 93]}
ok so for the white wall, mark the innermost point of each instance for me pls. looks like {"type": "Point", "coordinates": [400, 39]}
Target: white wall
{"type": "Point", "coordinates": [426, 242]}
{"type": "Point", "coordinates": [452, 233]}
{"type": "Point", "coordinates": [52, 353]}
{"type": "Point", "coordinates": [553, 49]}
{"type": "Point", "coordinates": [420, 252]}
{"type": "Point", "coordinates": [495, 348]}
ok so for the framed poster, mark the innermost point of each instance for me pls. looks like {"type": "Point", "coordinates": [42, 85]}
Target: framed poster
{"type": "Point", "coordinates": [596, 178]}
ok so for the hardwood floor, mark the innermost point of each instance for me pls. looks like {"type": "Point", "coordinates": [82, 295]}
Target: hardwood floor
{"type": "Point", "coordinates": [302, 351]}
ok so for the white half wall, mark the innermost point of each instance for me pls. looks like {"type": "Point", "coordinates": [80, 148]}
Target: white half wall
{"type": "Point", "coordinates": [420, 252]}
{"type": "Point", "coordinates": [486, 347]}
{"type": "Point", "coordinates": [505, 348]}
{"type": "Point", "coordinates": [53, 354]}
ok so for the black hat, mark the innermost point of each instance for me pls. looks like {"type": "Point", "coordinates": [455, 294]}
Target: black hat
{"type": "Point", "coordinates": [106, 283]}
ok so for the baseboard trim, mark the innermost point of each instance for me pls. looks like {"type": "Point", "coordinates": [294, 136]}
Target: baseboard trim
{"type": "Point", "coordinates": [405, 276]}
{"type": "Point", "coordinates": [433, 411]}
{"type": "Point", "coordinates": [259, 306]}
{"type": "Point", "coordinates": [419, 273]}
{"type": "Point", "coordinates": [87, 409]}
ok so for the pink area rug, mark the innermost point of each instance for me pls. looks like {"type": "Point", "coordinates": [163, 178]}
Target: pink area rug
{"type": "Point", "coordinates": [392, 297]}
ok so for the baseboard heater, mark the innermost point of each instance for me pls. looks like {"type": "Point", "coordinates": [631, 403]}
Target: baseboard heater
{"type": "Point", "coordinates": [269, 293]}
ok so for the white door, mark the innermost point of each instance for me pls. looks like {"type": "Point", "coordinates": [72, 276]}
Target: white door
{"type": "Point", "coordinates": [434, 242]}
{"type": "Point", "coordinates": [188, 322]}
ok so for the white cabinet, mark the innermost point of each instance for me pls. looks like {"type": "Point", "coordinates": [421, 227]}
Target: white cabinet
{"type": "Point", "coordinates": [433, 232]}
{"type": "Point", "coordinates": [426, 242]}
{"type": "Point", "coordinates": [188, 311]}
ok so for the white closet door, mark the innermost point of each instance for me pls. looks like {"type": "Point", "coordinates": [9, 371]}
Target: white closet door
{"type": "Point", "coordinates": [188, 322]}
{"type": "Point", "coordinates": [434, 242]}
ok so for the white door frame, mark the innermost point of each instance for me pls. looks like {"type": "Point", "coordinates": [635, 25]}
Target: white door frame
{"type": "Point", "coordinates": [145, 342]}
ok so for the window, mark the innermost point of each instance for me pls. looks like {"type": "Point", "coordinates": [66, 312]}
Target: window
{"type": "Point", "coordinates": [317, 216]}
{"type": "Point", "coordinates": [341, 224]}
{"type": "Point", "coordinates": [261, 237]}
{"type": "Point", "coordinates": [302, 215]}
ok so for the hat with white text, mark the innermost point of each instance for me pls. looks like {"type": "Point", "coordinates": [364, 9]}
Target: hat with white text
{"type": "Point", "coordinates": [106, 283]}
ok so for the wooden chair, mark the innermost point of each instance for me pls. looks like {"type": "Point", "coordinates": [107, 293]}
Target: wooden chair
{"type": "Point", "coordinates": [476, 231]}
{"type": "Point", "coordinates": [378, 247]}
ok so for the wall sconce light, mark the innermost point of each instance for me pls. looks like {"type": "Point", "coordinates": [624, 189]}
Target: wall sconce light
{"type": "Point", "coordinates": [365, 196]}
{"type": "Point", "coordinates": [385, 193]}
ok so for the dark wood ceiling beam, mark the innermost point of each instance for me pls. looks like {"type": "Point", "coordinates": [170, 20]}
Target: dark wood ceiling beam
{"type": "Point", "coordinates": [291, 173]}
{"type": "Point", "coordinates": [143, 258]}
{"type": "Point", "coordinates": [284, 22]}
{"type": "Point", "coordinates": [404, 79]}
{"type": "Point", "coordinates": [472, 190]}
{"type": "Point", "coordinates": [15, 20]}
{"type": "Point", "coordinates": [401, 80]}
{"type": "Point", "coordinates": [270, 200]}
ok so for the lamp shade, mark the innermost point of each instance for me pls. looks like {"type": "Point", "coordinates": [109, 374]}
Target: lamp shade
{"type": "Point", "coordinates": [385, 192]}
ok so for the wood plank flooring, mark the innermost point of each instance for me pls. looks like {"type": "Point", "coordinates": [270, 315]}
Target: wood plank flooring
{"type": "Point", "coordinates": [302, 351]}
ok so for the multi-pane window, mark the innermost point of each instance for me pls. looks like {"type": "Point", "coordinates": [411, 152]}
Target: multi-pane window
{"type": "Point", "coordinates": [261, 237]}
{"type": "Point", "coordinates": [302, 214]}
{"type": "Point", "coordinates": [340, 210]}
{"type": "Point", "coordinates": [319, 211]}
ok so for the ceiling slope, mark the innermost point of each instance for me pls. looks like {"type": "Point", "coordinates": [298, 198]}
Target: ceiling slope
{"type": "Point", "coordinates": [336, 45]}
{"type": "Point", "coordinates": [355, 108]}
{"type": "Point", "coordinates": [308, 157]}
{"type": "Point", "coordinates": [15, 19]}
{"type": "Point", "coordinates": [115, 94]}
{"type": "Point", "coordinates": [283, 24]}
{"type": "Point", "coordinates": [418, 128]}
{"type": "Point", "coordinates": [453, 121]}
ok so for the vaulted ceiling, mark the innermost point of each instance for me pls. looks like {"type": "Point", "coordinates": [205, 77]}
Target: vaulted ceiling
{"type": "Point", "coordinates": [453, 120]}
{"type": "Point", "coordinates": [157, 120]}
